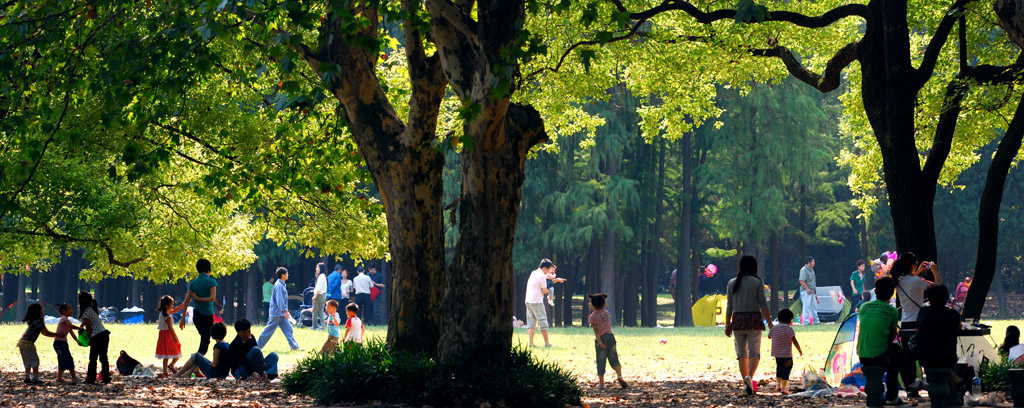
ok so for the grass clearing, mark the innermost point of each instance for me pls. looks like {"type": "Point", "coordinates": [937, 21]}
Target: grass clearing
{"type": "Point", "coordinates": [690, 353]}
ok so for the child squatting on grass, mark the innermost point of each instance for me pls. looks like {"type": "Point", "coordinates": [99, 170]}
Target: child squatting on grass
{"type": "Point", "coordinates": [27, 343]}
{"type": "Point", "coordinates": [604, 340]}
{"type": "Point", "coordinates": [783, 340]}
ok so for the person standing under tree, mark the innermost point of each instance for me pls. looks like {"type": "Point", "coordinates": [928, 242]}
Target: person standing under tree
{"type": "Point", "coordinates": [203, 290]}
{"type": "Point", "coordinates": [536, 315]}
{"type": "Point", "coordinates": [362, 284]}
{"type": "Point", "coordinates": [378, 302]}
{"type": "Point", "coordinates": [745, 313]}
{"type": "Point", "coordinates": [857, 284]}
{"type": "Point", "coordinates": [809, 294]}
{"type": "Point", "coordinates": [279, 313]}
{"type": "Point", "coordinates": [319, 295]}
{"type": "Point", "coordinates": [268, 292]}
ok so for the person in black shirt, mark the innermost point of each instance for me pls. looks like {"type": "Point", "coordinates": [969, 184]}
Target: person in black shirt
{"type": "Point", "coordinates": [247, 359]}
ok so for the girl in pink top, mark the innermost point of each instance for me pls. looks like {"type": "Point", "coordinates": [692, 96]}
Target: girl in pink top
{"type": "Point", "coordinates": [604, 340]}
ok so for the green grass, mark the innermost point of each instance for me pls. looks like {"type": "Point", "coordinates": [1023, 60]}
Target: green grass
{"type": "Point", "coordinates": [688, 352]}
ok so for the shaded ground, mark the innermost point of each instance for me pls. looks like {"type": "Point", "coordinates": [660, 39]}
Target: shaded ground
{"type": "Point", "coordinates": [188, 393]}
{"type": "Point", "coordinates": [146, 392]}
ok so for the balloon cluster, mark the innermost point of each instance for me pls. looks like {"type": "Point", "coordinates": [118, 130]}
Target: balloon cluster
{"type": "Point", "coordinates": [884, 262]}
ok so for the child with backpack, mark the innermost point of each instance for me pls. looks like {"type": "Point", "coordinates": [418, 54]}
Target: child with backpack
{"type": "Point", "coordinates": [27, 343]}
{"type": "Point", "coordinates": [783, 340]}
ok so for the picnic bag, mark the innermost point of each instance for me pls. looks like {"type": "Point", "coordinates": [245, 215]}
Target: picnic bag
{"type": "Point", "coordinates": [126, 364]}
{"type": "Point", "coordinates": [83, 338]}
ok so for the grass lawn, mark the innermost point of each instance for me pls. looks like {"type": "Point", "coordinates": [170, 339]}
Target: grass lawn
{"type": "Point", "coordinates": [690, 353]}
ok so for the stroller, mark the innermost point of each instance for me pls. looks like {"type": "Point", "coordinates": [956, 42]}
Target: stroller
{"type": "Point", "coordinates": [304, 313]}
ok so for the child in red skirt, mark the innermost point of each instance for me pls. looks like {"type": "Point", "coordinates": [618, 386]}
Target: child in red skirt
{"type": "Point", "coordinates": [167, 345]}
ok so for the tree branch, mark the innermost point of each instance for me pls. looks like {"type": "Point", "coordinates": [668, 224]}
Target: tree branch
{"type": "Point", "coordinates": [632, 33]}
{"type": "Point", "coordinates": [931, 53]}
{"type": "Point", "coordinates": [824, 20]}
{"type": "Point", "coordinates": [824, 83]}
{"type": "Point", "coordinates": [462, 22]}
{"type": "Point", "coordinates": [944, 130]}
{"type": "Point", "coordinates": [69, 239]}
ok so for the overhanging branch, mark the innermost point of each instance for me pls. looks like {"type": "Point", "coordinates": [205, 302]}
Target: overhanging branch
{"type": "Point", "coordinates": [931, 53]}
{"type": "Point", "coordinates": [633, 31]}
{"type": "Point", "coordinates": [824, 20]}
{"type": "Point", "coordinates": [944, 131]}
{"type": "Point", "coordinates": [824, 83]}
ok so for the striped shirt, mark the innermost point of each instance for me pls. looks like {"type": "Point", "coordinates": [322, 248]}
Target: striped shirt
{"type": "Point", "coordinates": [782, 340]}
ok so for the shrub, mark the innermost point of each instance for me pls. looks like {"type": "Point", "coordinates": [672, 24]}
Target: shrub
{"type": "Point", "coordinates": [997, 376]}
{"type": "Point", "coordinates": [373, 373]}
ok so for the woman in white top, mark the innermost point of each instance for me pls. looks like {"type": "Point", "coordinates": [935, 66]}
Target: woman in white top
{"type": "Point", "coordinates": [99, 338]}
{"type": "Point", "coordinates": [346, 288]}
{"type": "Point", "coordinates": [910, 288]}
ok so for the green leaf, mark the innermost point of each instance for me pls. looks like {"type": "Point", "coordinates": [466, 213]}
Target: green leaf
{"type": "Point", "coordinates": [749, 12]}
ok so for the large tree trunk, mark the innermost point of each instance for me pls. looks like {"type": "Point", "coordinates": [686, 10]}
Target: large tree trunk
{"type": "Point", "coordinates": [685, 281]}
{"type": "Point", "coordinates": [593, 274]}
{"type": "Point", "coordinates": [653, 268]}
{"type": "Point", "coordinates": [988, 215]}
{"type": "Point", "coordinates": [405, 168]}
{"type": "Point", "coordinates": [481, 271]}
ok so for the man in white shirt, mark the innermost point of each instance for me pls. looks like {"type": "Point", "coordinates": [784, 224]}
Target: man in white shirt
{"type": "Point", "coordinates": [320, 296]}
{"type": "Point", "coordinates": [536, 315]}
{"type": "Point", "coordinates": [362, 285]}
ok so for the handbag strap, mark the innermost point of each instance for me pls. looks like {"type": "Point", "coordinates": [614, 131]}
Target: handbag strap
{"type": "Point", "coordinates": [907, 295]}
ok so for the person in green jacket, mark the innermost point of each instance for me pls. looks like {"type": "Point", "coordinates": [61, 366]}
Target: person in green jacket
{"type": "Point", "coordinates": [268, 291]}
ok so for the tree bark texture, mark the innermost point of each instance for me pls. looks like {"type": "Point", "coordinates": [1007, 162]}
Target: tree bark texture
{"type": "Point", "coordinates": [988, 215]}
{"type": "Point", "coordinates": [773, 248]}
{"type": "Point", "coordinates": [404, 165]}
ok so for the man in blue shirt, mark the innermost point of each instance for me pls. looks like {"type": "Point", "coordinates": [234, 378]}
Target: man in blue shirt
{"type": "Point", "coordinates": [279, 313]}
{"type": "Point", "coordinates": [334, 285]}
{"type": "Point", "coordinates": [203, 290]}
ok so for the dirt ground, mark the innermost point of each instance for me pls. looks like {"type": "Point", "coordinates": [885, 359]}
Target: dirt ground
{"type": "Point", "coordinates": [189, 393]}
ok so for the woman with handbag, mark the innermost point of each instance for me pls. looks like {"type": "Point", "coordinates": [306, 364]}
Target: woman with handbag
{"type": "Point", "coordinates": [746, 310]}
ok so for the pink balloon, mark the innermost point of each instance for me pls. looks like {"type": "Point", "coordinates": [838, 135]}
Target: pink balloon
{"type": "Point", "coordinates": [711, 270]}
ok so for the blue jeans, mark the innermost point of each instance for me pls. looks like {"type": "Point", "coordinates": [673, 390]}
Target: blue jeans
{"type": "Point", "coordinates": [609, 353]}
{"type": "Point", "coordinates": [255, 358]}
{"type": "Point", "coordinates": [64, 360]}
{"type": "Point", "coordinates": [809, 308]}
{"type": "Point", "coordinates": [206, 367]}
{"type": "Point", "coordinates": [272, 325]}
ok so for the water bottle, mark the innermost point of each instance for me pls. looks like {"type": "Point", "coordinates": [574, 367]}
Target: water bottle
{"type": "Point", "coordinates": [976, 387]}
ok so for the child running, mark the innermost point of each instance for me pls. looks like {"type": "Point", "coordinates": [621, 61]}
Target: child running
{"type": "Point", "coordinates": [333, 330]}
{"type": "Point", "coordinates": [783, 340]}
{"type": "Point", "coordinates": [60, 345]}
{"type": "Point", "coordinates": [354, 330]}
{"type": "Point", "coordinates": [167, 345]}
{"type": "Point", "coordinates": [27, 344]}
{"type": "Point", "coordinates": [604, 340]}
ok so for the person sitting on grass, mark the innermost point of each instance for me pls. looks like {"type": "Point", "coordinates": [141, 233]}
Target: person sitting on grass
{"type": "Point", "coordinates": [1011, 340]}
{"type": "Point", "coordinates": [354, 330]}
{"type": "Point", "coordinates": [333, 321]}
{"type": "Point", "coordinates": [876, 348]}
{"type": "Point", "coordinates": [604, 340]}
{"type": "Point", "coordinates": [27, 344]}
{"type": "Point", "coordinates": [221, 364]}
{"type": "Point", "coordinates": [247, 360]}
{"type": "Point", "coordinates": [783, 340]}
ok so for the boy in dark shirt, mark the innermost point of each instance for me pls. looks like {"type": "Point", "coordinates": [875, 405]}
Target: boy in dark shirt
{"type": "Point", "coordinates": [247, 359]}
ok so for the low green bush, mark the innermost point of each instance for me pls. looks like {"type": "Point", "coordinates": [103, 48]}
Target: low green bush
{"type": "Point", "coordinates": [373, 373]}
{"type": "Point", "coordinates": [996, 377]}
